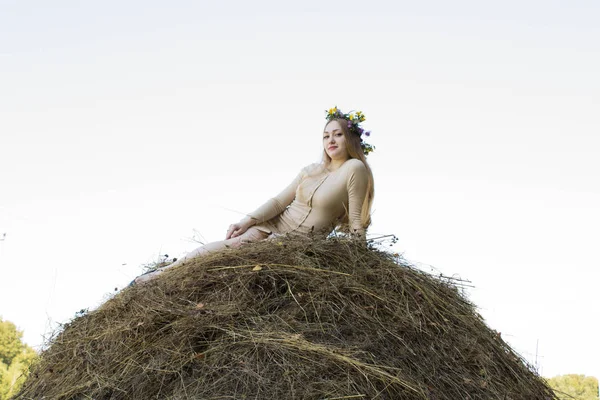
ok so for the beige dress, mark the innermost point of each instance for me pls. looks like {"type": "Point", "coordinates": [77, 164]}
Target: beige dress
{"type": "Point", "coordinates": [316, 201]}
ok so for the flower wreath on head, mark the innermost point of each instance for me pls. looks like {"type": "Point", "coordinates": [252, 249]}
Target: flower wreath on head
{"type": "Point", "coordinates": [354, 119]}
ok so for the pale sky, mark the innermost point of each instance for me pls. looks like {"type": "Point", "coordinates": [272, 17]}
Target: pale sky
{"type": "Point", "coordinates": [129, 127]}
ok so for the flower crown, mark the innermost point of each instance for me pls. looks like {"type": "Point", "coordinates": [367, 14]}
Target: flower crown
{"type": "Point", "coordinates": [354, 119]}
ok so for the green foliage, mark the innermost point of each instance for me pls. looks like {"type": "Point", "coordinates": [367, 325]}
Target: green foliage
{"type": "Point", "coordinates": [10, 342]}
{"type": "Point", "coordinates": [15, 359]}
{"type": "Point", "coordinates": [4, 389]}
{"type": "Point", "coordinates": [578, 387]}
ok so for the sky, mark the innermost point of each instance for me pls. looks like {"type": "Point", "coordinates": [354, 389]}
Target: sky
{"type": "Point", "coordinates": [134, 129]}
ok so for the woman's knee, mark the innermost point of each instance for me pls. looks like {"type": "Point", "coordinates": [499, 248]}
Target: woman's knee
{"type": "Point", "coordinates": [250, 236]}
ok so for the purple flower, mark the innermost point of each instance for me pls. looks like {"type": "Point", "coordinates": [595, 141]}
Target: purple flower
{"type": "Point", "coordinates": [349, 124]}
{"type": "Point", "coordinates": [360, 131]}
{"type": "Point", "coordinates": [368, 133]}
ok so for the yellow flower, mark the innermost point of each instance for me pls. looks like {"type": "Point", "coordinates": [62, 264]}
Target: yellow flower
{"type": "Point", "coordinates": [332, 110]}
{"type": "Point", "coordinates": [351, 116]}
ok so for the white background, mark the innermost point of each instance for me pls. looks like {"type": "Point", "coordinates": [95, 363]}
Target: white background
{"type": "Point", "coordinates": [128, 127]}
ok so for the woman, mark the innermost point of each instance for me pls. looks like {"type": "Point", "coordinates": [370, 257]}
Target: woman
{"type": "Point", "coordinates": [335, 193]}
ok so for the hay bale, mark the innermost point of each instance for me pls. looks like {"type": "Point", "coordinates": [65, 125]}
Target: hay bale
{"type": "Point", "coordinates": [286, 319]}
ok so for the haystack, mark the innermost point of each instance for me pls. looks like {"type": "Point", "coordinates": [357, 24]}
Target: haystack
{"type": "Point", "coordinates": [285, 319]}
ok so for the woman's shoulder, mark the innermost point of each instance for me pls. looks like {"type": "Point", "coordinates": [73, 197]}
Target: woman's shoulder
{"type": "Point", "coordinates": [354, 164]}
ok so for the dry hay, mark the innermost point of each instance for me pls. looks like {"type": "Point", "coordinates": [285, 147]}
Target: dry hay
{"type": "Point", "coordinates": [287, 319]}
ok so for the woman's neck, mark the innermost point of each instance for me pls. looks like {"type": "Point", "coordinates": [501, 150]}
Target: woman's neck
{"type": "Point", "coordinates": [335, 164]}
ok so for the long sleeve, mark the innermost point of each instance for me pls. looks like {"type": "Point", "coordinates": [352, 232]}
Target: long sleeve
{"type": "Point", "coordinates": [356, 185]}
{"type": "Point", "coordinates": [277, 204]}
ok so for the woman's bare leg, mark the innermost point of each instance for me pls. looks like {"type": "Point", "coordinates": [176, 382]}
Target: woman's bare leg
{"type": "Point", "coordinates": [251, 235]}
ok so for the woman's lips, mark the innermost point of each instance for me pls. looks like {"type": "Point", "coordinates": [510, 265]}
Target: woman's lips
{"type": "Point", "coordinates": [332, 147]}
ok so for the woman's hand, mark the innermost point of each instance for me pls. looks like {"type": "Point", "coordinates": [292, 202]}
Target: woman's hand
{"type": "Point", "coordinates": [237, 229]}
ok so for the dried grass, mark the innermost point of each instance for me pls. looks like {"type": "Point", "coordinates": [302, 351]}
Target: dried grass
{"type": "Point", "coordinates": [286, 319]}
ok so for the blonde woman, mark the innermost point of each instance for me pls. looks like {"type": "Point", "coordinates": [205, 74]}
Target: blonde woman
{"type": "Point", "coordinates": [338, 192]}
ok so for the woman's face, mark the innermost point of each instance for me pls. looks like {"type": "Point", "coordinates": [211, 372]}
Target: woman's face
{"type": "Point", "coordinates": [334, 141]}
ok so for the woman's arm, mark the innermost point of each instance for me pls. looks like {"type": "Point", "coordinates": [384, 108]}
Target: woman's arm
{"type": "Point", "coordinates": [271, 208]}
{"type": "Point", "coordinates": [277, 204]}
{"type": "Point", "coordinates": [356, 184]}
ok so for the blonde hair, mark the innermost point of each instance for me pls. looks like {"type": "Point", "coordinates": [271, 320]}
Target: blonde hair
{"type": "Point", "coordinates": [355, 151]}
